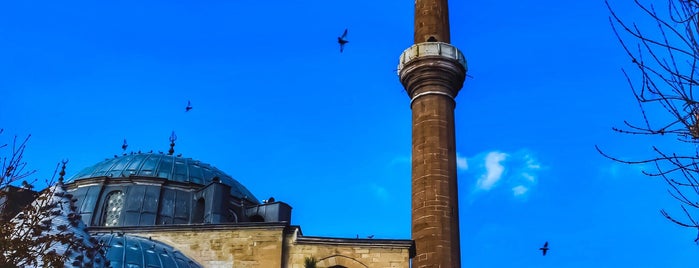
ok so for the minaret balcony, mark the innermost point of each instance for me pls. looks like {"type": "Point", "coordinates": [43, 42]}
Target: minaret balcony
{"type": "Point", "coordinates": [432, 68]}
{"type": "Point", "coordinates": [431, 49]}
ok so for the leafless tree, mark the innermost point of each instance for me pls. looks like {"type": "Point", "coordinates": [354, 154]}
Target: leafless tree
{"type": "Point", "coordinates": [663, 77]}
{"type": "Point", "coordinates": [12, 166]}
{"type": "Point", "coordinates": [12, 170]}
{"type": "Point", "coordinates": [49, 233]}
{"type": "Point", "coordinates": [46, 233]}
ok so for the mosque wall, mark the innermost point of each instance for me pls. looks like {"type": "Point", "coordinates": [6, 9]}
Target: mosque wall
{"type": "Point", "coordinates": [350, 253]}
{"type": "Point", "coordinates": [222, 245]}
{"type": "Point", "coordinates": [262, 245]}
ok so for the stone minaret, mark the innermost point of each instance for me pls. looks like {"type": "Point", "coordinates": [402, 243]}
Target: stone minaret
{"type": "Point", "coordinates": [432, 72]}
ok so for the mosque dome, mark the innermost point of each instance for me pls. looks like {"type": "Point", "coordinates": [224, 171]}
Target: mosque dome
{"type": "Point", "coordinates": [164, 166]}
{"type": "Point", "coordinates": [124, 250]}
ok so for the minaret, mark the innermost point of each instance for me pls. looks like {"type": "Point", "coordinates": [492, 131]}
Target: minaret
{"type": "Point", "coordinates": [432, 72]}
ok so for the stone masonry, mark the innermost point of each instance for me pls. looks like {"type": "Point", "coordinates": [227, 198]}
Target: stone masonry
{"type": "Point", "coordinates": [431, 20]}
{"type": "Point", "coordinates": [432, 73]}
{"type": "Point", "coordinates": [263, 245]}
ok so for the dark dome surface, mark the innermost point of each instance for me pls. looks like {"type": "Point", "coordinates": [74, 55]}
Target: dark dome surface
{"type": "Point", "coordinates": [164, 166]}
{"type": "Point", "coordinates": [133, 251]}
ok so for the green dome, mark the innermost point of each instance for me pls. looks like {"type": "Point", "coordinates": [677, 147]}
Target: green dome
{"type": "Point", "coordinates": [164, 166]}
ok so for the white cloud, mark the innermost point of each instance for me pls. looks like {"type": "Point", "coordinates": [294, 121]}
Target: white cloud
{"type": "Point", "coordinates": [493, 170]}
{"type": "Point", "coordinates": [528, 177]}
{"type": "Point", "coordinates": [519, 190]}
{"type": "Point", "coordinates": [461, 162]}
{"type": "Point", "coordinates": [517, 171]}
{"type": "Point", "coordinates": [531, 162]}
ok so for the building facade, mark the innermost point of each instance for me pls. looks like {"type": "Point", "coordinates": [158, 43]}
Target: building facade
{"type": "Point", "coordinates": [160, 210]}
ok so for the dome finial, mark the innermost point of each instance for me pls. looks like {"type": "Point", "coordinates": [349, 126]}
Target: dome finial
{"type": "Point", "coordinates": [173, 138]}
{"type": "Point", "coordinates": [63, 171]}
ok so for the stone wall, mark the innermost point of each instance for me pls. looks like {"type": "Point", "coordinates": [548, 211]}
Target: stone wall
{"type": "Point", "coordinates": [350, 253]}
{"type": "Point", "coordinates": [221, 245]}
{"type": "Point", "coordinates": [264, 245]}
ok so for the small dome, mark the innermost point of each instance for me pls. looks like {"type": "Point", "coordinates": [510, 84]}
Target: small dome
{"type": "Point", "coordinates": [132, 251]}
{"type": "Point", "coordinates": [164, 166]}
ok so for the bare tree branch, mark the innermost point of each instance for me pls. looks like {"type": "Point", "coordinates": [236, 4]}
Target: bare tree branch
{"type": "Point", "coordinates": [665, 60]}
{"type": "Point", "coordinates": [46, 233]}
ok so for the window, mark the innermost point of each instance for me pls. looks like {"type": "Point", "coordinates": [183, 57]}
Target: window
{"type": "Point", "coordinates": [199, 211]}
{"type": "Point", "coordinates": [113, 208]}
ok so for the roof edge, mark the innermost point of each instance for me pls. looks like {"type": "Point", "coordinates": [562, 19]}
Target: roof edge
{"type": "Point", "coordinates": [189, 227]}
{"type": "Point", "coordinates": [401, 243]}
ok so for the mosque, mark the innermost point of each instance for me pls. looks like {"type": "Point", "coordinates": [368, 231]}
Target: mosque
{"type": "Point", "coordinates": [198, 216]}
{"type": "Point", "coordinates": [165, 210]}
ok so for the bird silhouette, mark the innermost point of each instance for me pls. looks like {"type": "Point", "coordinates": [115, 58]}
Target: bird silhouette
{"type": "Point", "coordinates": [123, 146]}
{"type": "Point", "coordinates": [26, 185]}
{"type": "Point", "coordinates": [370, 237]}
{"type": "Point", "coordinates": [342, 41]}
{"type": "Point", "coordinates": [189, 106]}
{"type": "Point", "coordinates": [545, 248]}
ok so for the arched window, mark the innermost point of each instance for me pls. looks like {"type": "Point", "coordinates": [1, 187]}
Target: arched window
{"type": "Point", "coordinates": [340, 261]}
{"type": "Point", "coordinates": [113, 208]}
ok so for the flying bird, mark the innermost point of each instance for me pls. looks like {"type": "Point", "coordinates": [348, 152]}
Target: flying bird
{"type": "Point", "coordinates": [123, 146]}
{"type": "Point", "coordinates": [545, 248]}
{"type": "Point", "coordinates": [342, 41]}
{"type": "Point", "coordinates": [189, 106]}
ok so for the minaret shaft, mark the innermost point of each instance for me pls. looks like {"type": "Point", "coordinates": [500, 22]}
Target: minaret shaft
{"type": "Point", "coordinates": [435, 216]}
{"type": "Point", "coordinates": [432, 72]}
{"type": "Point", "coordinates": [431, 20]}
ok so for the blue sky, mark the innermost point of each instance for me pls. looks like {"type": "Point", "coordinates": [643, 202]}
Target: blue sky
{"type": "Point", "coordinates": [277, 107]}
